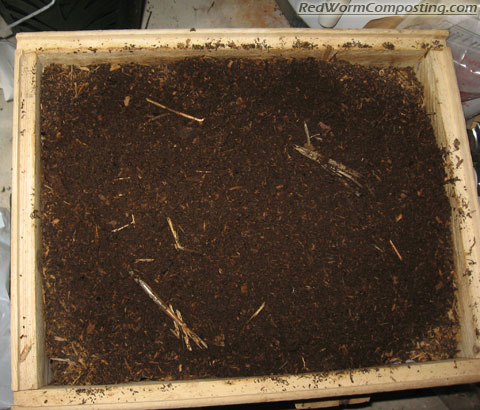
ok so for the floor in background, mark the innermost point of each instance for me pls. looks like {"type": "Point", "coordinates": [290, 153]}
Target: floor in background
{"type": "Point", "coordinates": [248, 13]}
{"type": "Point", "coordinates": [212, 13]}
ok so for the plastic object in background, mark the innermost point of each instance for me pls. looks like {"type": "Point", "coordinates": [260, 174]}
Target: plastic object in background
{"type": "Point", "coordinates": [331, 20]}
{"type": "Point", "coordinates": [74, 14]}
{"type": "Point", "coordinates": [464, 41]}
{"type": "Point", "coordinates": [471, 107]}
{"type": "Point", "coordinates": [29, 16]}
{"type": "Point", "coordinates": [6, 395]}
{"type": "Point", "coordinates": [7, 54]}
{"type": "Point", "coordinates": [474, 141]}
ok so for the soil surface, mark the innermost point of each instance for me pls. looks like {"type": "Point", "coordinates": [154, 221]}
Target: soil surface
{"type": "Point", "coordinates": [284, 265]}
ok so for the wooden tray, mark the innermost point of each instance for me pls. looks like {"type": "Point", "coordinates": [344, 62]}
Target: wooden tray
{"type": "Point", "coordinates": [425, 51]}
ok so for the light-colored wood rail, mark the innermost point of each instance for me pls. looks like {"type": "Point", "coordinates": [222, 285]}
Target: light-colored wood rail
{"type": "Point", "coordinates": [27, 328]}
{"type": "Point", "coordinates": [260, 389]}
{"type": "Point", "coordinates": [442, 100]}
{"type": "Point", "coordinates": [360, 46]}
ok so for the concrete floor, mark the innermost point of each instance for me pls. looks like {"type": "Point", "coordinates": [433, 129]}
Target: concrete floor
{"type": "Point", "coordinates": [248, 13]}
{"type": "Point", "coordinates": [209, 13]}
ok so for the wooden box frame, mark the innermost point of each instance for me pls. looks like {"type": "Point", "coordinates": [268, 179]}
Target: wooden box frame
{"type": "Point", "coordinates": [425, 51]}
